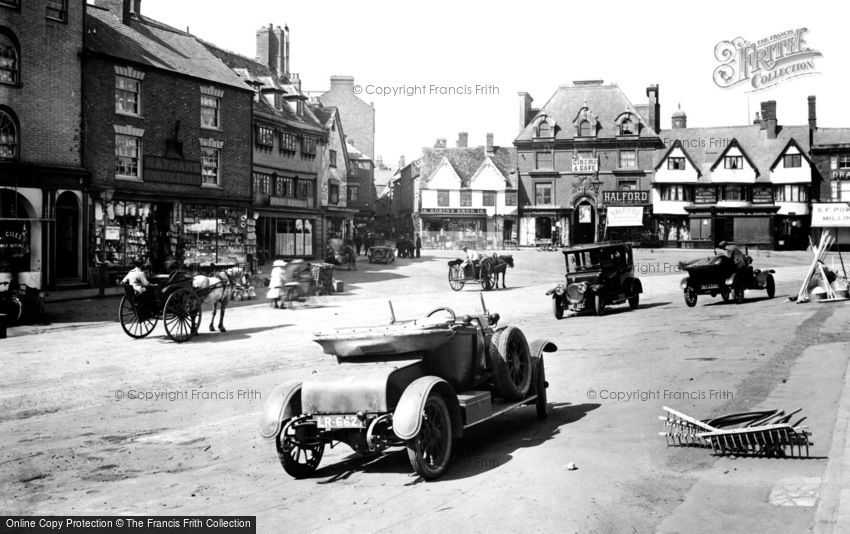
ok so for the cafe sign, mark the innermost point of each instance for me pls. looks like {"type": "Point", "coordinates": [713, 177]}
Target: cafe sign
{"type": "Point", "coordinates": [626, 198]}
{"type": "Point", "coordinates": [831, 215]}
{"type": "Point", "coordinates": [585, 164]}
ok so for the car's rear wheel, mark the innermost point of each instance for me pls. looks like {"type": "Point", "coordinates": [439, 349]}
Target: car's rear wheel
{"type": "Point", "coordinates": [509, 360]}
{"type": "Point", "coordinates": [634, 301]}
{"type": "Point", "coordinates": [299, 458]}
{"type": "Point", "coordinates": [771, 287]}
{"type": "Point", "coordinates": [557, 308]}
{"type": "Point", "coordinates": [430, 450]}
{"type": "Point", "coordinates": [739, 293]}
{"type": "Point", "coordinates": [542, 401]}
{"type": "Point", "coordinates": [690, 297]}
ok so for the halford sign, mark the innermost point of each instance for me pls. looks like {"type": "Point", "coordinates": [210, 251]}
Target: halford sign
{"type": "Point", "coordinates": [626, 198]}
{"type": "Point", "coordinates": [766, 62]}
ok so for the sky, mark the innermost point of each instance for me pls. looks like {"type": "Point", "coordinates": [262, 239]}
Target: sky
{"type": "Point", "coordinates": [532, 46]}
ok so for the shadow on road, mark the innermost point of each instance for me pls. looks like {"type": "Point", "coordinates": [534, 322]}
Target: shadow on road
{"type": "Point", "coordinates": [205, 336]}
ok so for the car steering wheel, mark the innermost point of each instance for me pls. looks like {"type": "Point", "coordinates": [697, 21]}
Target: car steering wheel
{"type": "Point", "coordinates": [449, 310]}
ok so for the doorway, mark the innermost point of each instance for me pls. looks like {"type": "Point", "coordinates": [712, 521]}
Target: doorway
{"type": "Point", "coordinates": [67, 237]}
{"type": "Point", "coordinates": [584, 223]}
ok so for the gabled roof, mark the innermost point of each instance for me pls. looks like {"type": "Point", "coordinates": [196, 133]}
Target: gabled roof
{"type": "Point", "coordinates": [705, 146]}
{"type": "Point", "coordinates": [792, 142]}
{"type": "Point", "coordinates": [605, 102]}
{"type": "Point", "coordinates": [734, 143]}
{"type": "Point", "coordinates": [673, 146]}
{"type": "Point", "coordinates": [831, 136]}
{"type": "Point", "coordinates": [466, 161]}
{"type": "Point", "coordinates": [148, 42]}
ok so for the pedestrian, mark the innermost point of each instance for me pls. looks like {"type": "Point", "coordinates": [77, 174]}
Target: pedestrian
{"type": "Point", "coordinates": [418, 244]}
{"type": "Point", "coordinates": [358, 242]}
{"type": "Point", "coordinates": [275, 291]}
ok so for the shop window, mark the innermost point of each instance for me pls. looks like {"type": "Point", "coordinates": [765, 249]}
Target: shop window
{"type": "Point", "coordinates": [215, 235]}
{"type": "Point", "coordinates": [676, 164]}
{"type": "Point", "coordinates": [544, 160]}
{"type": "Point", "coordinates": [9, 58]}
{"type": "Point", "coordinates": [792, 161]}
{"type": "Point", "coordinates": [128, 95]}
{"type": "Point", "coordinates": [733, 162]}
{"type": "Point", "coordinates": [510, 198]}
{"type": "Point", "coordinates": [210, 165]}
{"type": "Point", "coordinates": [332, 157]}
{"type": "Point", "coordinates": [628, 159]}
{"type": "Point", "coordinates": [544, 130]}
{"type": "Point", "coordinates": [333, 194]}
{"type": "Point", "coordinates": [791, 193]}
{"type": "Point", "coordinates": [680, 193]}
{"type": "Point", "coordinates": [543, 194]}
{"type": "Point", "coordinates": [585, 129]}
{"type": "Point", "coordinates": [489, 198]}
{"type": "Point", "coordinates": [128, 153]}
{"type": "Point", "coordinates": [733, 192]}
{"type": "Point", "coordinates": [8, 136]}
{"type": "Point", "coordinates": [262, 183]}
{"type": "Point", "coordinates": [466, 198]}
{"type": "Point", "coordinates": [264, 138]}
{"type": "Point", "coordinates": [57, 10]}
{"type": "Point", "coordinates": [627, 185]}
{"type": "Point", "coordinates": [442, 198]}
{"type": "Point", "coordinates": [627, 127]}
{"type": "Point", "coordinates": [353, 194]}
{"type": "Point", "coordinates": [210, 111]}
{"type": "Point", "coordinates": [288, 142]}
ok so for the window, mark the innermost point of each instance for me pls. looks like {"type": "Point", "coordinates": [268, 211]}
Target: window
{"type": "Point", "coordinates": [128, 150]}
{"type": "Point", "coordinates": [57, 10]}
{"type": "Point", "coordinates": [733, 162]}
{"type": "Point", "coordinates": [627, 185]}
{"type": "Point", "coordinates": [305, 189]}
{"type": "Point", "coordinates": [791, 193]}
{"type": "Point", "coordinates": [628, 159]}
{"type": "Point", "coordinates": [210, 112]}
{"type": "Point", "coordinates": [510, 198]}
{"type": "Point", "coordinates": [844, 162]}
{"type": "Point", "coordinates": [543, 130]}
{"type": "Point", "coordinates": [680, 193]}
{"type": "Point", "coordinates": [333, 194]}
{"type": "Point", "coordinates": [543, 194]}
{"type": "Point", "coordinates": [489, 198]}
{"type": "Point", "coordinates": [332, 158]}
{"type": "Point", "coordinates": [288, 142]}
{"type": "Point", "coordinates": [676, 164]}
{"type": "Point", "coordinates": [8, 136]}
{"type": "Point", "coordinates": [627, 127]}
{"type": "Point", "coordinates": [792, 160]}
{"type": "Point", "coordinates": [262, 183]}
{"type": "Point", "coordinates": [9, 62]}
{"type": "Point", "coordinates": [210, 165]}
{"type": "Point", "coordinates": [584, 129]}
{"type": "Point", "coordinates": [128, 95]}
{"type": "Point", "coordinates": [544, 160]}
{"type": "Point", "coordinates": [264, 139]}
{"type": "Point", "coordinates": [466, 198]}
{"type": "Point", "coordinates": [308, 146]}
{"type": "Point", "coordinates": [442, 198]}
{"type": "Point", "coordinates": [353, 193]}
{"type": "Point", "coordinates": [733, 192]}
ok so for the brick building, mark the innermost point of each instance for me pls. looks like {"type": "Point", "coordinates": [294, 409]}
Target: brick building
{"type": "Point", "coordinates": [358, 117]}
{"type": "Point", "coordinates": [288, 151]}
{"type": "Point", "coordinates": [333, 178]}
{"type": "Point", "coordinates": [42, 204]}
{"type": "Point", "coordinates": [831, 158]}
{"type": "Point", "coordinates": [587, 149]}
{"type": "Point", "coordinates": [168, 136]}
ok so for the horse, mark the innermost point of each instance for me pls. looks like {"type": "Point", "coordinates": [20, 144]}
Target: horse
{"type": "Point", "coordinates": [220, 288]}
{"type": "Point", "coordinates": [497, 264]}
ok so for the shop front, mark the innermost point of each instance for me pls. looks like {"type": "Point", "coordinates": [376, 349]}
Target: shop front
{"type": "Point", "coordinates": [454, 228]}
{"type": "Point", "coordinates": [285, 235]}
{"type": "Point", "coordinates": [22, 233]}
{"type": "Point", "coordinates": [627, 214]}
{"type": "Point", "coordinates": [746, 226]}
{"type": "Point", "coordinates": [545, 227]}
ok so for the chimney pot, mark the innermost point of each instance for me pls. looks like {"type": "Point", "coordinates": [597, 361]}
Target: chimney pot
{"type": "Point", "coordinates": [401, 163]}
{"type": "Point", "coordinates": [462, 139]}
{"type": "Point", "coordinates": [489, 143]}
{"type": "Point", "coordinates": [654, 110]}
{"type": "Point", "coordinates": [525, 101]}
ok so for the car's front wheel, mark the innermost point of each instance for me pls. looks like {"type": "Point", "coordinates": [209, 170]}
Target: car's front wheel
{"type": "Point", "coordinates": [557, 308]}
{"type": "Point", "coordinates": [634, 301]}
{"type": "Point", "coordinates": [771, 287]}
{"type": "Point", "coordinates": [690, 297]}
{"type": "Point", "coordinates": [598, 305]}
{"type": "Point", "coordinates": [299, 458]}
{"type": "Point", "coordinates": [430, 450]}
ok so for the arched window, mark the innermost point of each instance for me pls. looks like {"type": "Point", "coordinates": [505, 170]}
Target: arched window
{"type": "Point", "coordinates": [9, 58]}
{"type": "Point", "coordinates": [584, 129]}
{"type": "Point", "coordinates": [8, 136]}
{"type": "Point", "coordinates": [627, 127]}
{"type": "Point", "coordinates": [543, 130]}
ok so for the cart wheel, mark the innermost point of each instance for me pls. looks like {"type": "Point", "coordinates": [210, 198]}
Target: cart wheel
{"type": "Point", "coordinates": [135, 322]}
{"type": "Point", "coordinates": [488, 281]}
{"type": "Point", "coordinates": [557, 308]}
{"type": "Point", "coordinates": [14, 310]}
{"type": "Point", "coordinates": [771, 287]}
{"type": "Point", "coordinates": [691, 297]}
{"type": "Point", "coordinates": [289, 297]}
{"type": "Point", "coordinates": [509, 360]}
{"type": "Point", "coordinates": [430, 451]}
{"type": "Point", "coordinates": [299, 459]}
{"type": "Point", "coordinates": [540, 386]}
{"type": "Point", "coordinates": [456, 280]}
{"type": "Point", "coordinates": [182, 315]}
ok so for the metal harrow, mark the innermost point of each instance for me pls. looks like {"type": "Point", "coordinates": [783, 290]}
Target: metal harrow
{"type": "Point", "coordinates": [764, 433]}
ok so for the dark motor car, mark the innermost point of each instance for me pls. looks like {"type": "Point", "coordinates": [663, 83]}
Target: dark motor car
{"type": "Point", "coordinates": [718, 275]}
{"type": "Point", "coordinates": [598, 275]}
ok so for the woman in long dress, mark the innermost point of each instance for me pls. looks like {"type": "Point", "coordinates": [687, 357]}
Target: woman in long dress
{"type": "Point", "coordinates": [276, 283]}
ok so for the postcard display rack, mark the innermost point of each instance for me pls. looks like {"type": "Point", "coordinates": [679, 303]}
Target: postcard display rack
{"type": "Point", "coordinates": [216, 235]}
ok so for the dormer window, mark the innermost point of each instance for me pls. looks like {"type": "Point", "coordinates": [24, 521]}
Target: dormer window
{"type": "Point", "coordinates": [544, 130]}
{"type": "Point", "coordinates": [733, 162]}
{"type": "Point", "coordinates": [585, 129]}
{"type": "Point", "coordinates": [792, 161]}
{"type": "Point", "coordinates": [627, 127]}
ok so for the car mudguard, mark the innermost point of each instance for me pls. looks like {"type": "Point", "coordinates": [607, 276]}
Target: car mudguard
{"type": "Point", "coordinates": [407, 418]}
{"type": "Point", "coordinates": [278, 407]}
{"type": "Point", "coordinates": [537, 347]}
{"type": "Point", "coordinates": [686, 281]}
{"type": "Point", "coordinates": [636, 286]}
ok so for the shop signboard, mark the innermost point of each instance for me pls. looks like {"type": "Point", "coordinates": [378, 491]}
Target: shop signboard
{"type": "Point", "coordinates": [585, 164]}
{"type": "Point", "coordinates": [626, 198]}
{"type": "Point", "coordinates": [763, 195]}
{"type": "Point", "coordinates": [619, 216]}
{"type": "Point", "coordinates": [453, 211]}
{"type": "Point", "coordinates": [830, 215]}
{"type": "Point", "coordinates": [705, 195]}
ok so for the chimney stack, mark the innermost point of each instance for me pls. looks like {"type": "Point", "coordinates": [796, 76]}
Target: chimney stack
{"type": "Point", "coordinates": [440, 143]}
{"type": "Point", "coordinates": [462, 139]}
{"type": "Point", "coordinates": [768, 118]}
{"type": "Point", "coordinates": [401, 163]}
{"type": "Point", "coordinates": [123, 9]}
{"type": "Point", "coordinates": [524, 109]}
{"type": "Point", "coordinates": [489, 143]}
{"type": "Point", "coordinates": [295, 79]}
{"type": "Point", "coordinates": [813, 115]}
{"type": "Point", "coordinates": [286, 54]}
{"type": "Point", "coordinates": [654, 117]}
{"type": "Point", "coordinates": [343, 83]}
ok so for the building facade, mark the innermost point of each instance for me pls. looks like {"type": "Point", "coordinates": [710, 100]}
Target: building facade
{"type": "Point", "coordinates": [168, 134]}
{"type": "Point", "coordinates": [831, 158]}
{"type": "Point", "coordinates": [361, 188]}
{"type": "Point", "coordinates": [43, 206]}
{"type": "Point", "coordinates": [287, 152]}
{"type": "Point", "coordinates": [466, 196]}
{"type": "Point", "coordinates": [587, 149]}
{"type": "Point", "coordinates": [748, 184]}
{"type": "Point", "coordinates": [333, 178]}
{"type": "Point", "coordinates": [358, 117]}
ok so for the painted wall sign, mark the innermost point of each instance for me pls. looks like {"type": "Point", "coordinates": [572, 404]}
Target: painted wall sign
{"type": "Point", "coordinates": [618, 216]}
{"type": "Point", "coordinates": [453, 211]}
{"type": "Point", "coordinates": [831, 215]}
{"type": "Point", "coordinates": [705, 195]}
{"type": "Point", "coordinates": [585, 164]}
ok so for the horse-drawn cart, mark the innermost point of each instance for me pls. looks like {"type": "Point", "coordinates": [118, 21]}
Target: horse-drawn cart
{"type": "Point", "coordinates": [459, 276]}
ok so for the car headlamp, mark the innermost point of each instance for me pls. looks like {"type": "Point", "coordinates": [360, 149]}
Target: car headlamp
{"type": "Point", "coordinates": [575, 292]}
{"type": "Point", "coordinates": [560, 289]}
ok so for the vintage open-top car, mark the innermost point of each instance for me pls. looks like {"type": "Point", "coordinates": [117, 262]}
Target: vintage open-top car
{"type": "Point", "coordinates": [598, 275]}
{"type": "Point", "coordinates": [718, 274]}
{"type": "Point", "coordinates": [417, 384]}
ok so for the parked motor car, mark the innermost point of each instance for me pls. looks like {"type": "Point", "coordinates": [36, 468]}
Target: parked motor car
{"type": "Point", "coordinates": [381, 253]}
{"type": "Point", "coordinates": [598, 275]}
{"type": "Point", "coordinates": [718, 275]}
{"type": "Point", "coordinates": [417, 384]}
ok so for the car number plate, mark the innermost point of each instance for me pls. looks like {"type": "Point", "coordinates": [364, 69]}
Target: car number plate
{"type": "Point", "coordinates": [710, 286]}
{"type": "Point", "coordinates": [338, 421]}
